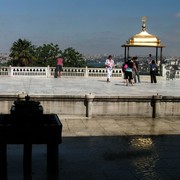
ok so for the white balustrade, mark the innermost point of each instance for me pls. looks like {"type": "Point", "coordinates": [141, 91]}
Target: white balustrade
{"type": "Point", "coordinates": [67, 72]}
{"type": "Point", "coordinates": [29, 71]}
{"type": "Point", "coordinates": [50, 71]}
{"type": "Point", "coordinates": [4, 71]}
{"type": "Point", "coordinates": [73, 71]}
{"type": "Point", "coordinates": [177, 74]}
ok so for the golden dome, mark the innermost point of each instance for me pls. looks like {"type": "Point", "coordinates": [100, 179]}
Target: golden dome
{"type": "Point", "coordinates": [144, 38]}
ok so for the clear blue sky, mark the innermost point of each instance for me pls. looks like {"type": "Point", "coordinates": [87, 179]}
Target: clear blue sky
{"type": "Point", "coordinates": [89, 26]}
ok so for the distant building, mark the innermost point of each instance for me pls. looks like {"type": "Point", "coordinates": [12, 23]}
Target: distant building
{"type": "Point", "coordinates": [4, 57]}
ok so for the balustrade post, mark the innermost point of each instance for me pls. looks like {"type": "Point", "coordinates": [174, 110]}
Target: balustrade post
{"type": "Point", "coordinates": [86, 72]}
{"type": "Point", "coordinates": [10, 71]}
{"type": "Point", "coordinates": [89, 104]}
{"type": "Point", "coordinates": [155, 103]}
{"type": "Point", "coordinates": [48, 73]}
{"type": "Point", "coordinates": [163, 70]}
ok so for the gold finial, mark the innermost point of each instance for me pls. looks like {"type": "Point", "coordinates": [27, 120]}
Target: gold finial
{"type": "Point", "coordinates": [144, 23]}
{"type": "Point", "coordinates": [144, 19]}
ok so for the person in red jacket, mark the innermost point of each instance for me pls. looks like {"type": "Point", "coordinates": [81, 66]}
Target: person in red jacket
{"type": "Point", "coordinates": [59, 66]}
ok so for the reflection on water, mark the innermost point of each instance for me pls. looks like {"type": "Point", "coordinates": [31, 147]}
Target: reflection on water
{"type": "Point", "coordinates": [104, 157]}
{"type": "Point", "coordinates": [145, 165]}
{"type": "Point", "coordinates": [141, 143]}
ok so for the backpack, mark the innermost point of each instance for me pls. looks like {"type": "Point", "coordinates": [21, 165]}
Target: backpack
{"type": "Point", "coordinates": [153, 68]}
{"type": "Point", "coordinates": [125, 67]}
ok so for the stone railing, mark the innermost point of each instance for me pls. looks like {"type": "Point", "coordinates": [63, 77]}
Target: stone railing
{"type": "Point", "coordinates": [50, 71]}
{"type": "Point", "coordinates": [67, 72]}
{"type": "Point", "coordinates": [177, 74]}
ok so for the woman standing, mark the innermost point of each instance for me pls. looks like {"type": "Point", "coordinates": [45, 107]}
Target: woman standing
{"type": "Point", "coordinates": [109, 66]}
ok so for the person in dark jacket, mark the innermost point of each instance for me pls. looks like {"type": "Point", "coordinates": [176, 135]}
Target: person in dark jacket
{"type": "Point", "coordinates": [128, 72]}
{"type": "Point", "coordinates": [153, 71]}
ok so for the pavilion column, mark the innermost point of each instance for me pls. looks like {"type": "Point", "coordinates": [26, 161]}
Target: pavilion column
{"type": "Point", "coordinates": [156, 55]}
{"type": "Point", "coordinates": [128, 52]}
{"type": "Point", "coordinates": [125, 54]}
{"type": "Point", "coordinates": [161, 61]}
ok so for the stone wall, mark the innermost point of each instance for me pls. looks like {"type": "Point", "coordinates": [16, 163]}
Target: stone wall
{"type": "Point", "coordinates": [92, 106]}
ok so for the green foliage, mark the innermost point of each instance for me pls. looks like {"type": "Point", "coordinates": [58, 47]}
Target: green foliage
{"type": "Point", "coordinates": [46, 55]}
{"type": "Point", "coordinates": [23, 53]}
{"type": "Point", "coordinates": [73, 58]}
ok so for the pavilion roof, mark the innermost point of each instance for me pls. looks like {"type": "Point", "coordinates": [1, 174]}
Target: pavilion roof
{"type": "Point", "coordinates": [143, 39]}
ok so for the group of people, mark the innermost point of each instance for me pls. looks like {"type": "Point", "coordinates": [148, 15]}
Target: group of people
{"type": "Point", "coordinates": [131, 69]}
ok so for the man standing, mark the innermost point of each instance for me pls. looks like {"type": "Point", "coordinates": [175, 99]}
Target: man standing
{"type": "Point", "coordinates": [149, 60]}
{"type": "Point", "coordinates": [153, 71]}
{"type": "Point", "coordinates": [59, 66]}
{"type": "Point", "coordinates": [109, 66]}
{"type": "Point", "coordinates": [136, 70]}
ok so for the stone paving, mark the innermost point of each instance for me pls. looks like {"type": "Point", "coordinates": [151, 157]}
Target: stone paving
{"type": "Point", "coordinates": [119, 126]}
{"type": "Point", "coordinates": [82, 86]}
{"type": "Point", "coordinates": [107, 148]}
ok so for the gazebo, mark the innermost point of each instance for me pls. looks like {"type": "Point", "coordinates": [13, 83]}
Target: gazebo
{"type": "Point", "coordinates": [144, 39]}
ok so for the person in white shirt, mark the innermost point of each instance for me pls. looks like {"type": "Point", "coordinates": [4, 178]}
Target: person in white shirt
{"type": "Point", "coordinates": [109, 66]}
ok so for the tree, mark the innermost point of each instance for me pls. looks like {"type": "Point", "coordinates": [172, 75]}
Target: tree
{"type": "Point", "coordinates": [73, 58]}
{"type": "Point", "coordinates": [22, 53]}
{"type": "Point", "coordinates": [46, 54]}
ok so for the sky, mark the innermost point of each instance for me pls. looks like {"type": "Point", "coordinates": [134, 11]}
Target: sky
{"type": "Point", "coordinates": [90, 26]}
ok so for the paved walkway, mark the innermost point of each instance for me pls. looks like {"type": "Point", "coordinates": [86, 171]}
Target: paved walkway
{"type": "Point", "coordinates": [119, 126]}
{"type": "Point", "coordinates": [82, 86]}
{"type": "Point", "coordinates": [107, 148]}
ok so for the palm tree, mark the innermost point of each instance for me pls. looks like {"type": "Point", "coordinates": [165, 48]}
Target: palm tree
{"type": "Point", "coordinates": [22, 52]}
